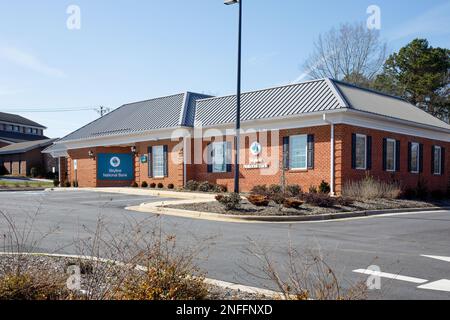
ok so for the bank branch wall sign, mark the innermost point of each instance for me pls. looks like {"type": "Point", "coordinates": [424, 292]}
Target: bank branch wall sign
{"type": "Point", "coordinates": [256, 163]}
{"type": "Point", "coordinates": [256, 148]}
{"type": "Point", "coordinates": [115, 167]}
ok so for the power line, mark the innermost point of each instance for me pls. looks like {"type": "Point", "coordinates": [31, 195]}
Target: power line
{"type": "Point", "coordinates": [100, 110]}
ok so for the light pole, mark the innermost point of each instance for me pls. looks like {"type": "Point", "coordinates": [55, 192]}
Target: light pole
{"type": "Point", "coordinates": [238, 99]}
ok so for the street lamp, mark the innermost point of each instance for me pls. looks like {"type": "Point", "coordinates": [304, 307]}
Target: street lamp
{"type": "Point", "coordinates": [238, 98]}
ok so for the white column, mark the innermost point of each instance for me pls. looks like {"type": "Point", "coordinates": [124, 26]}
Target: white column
{"type": "Point", "coordinates": [332, 187]}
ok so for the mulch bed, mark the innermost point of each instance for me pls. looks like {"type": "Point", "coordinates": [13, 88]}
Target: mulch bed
{"type": "Point", "coordinates": [248, 209]}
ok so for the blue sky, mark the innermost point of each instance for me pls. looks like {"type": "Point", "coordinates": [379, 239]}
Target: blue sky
{"type": "Point", "coordinates": [134, 50]}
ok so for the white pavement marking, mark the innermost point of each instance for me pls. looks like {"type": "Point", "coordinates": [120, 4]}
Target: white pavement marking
{"type": "Point", "coordinates": [446, 259]}
{"type": "Point", "coordinates": [441, 285]}
{"type": "Point", "coordinates": [391, 276]}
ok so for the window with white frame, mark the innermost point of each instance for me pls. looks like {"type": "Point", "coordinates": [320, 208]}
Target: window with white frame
{"type": "Point", "coordinates": [219, 157]}
{"type": "Point", "coordinates": [298, 159]}
{"type": "Point", "coordinates": [437, 160]}
{"type": "Point", "coordinates": [158, 161]}
{"type": "Point", "coordinates": [415, 157]}
{"type": "Point", "coordinates": [361, 152]}
{"type": "Point", "coordinates": [391, 154]}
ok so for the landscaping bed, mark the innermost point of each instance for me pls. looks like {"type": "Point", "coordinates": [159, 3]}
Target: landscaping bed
{"type": "Point", "coordinates": [51, 273]}
{"type": "Point", "coordinates": [248, 209]}
{"type": "Point", "coordinates": [7, 185]}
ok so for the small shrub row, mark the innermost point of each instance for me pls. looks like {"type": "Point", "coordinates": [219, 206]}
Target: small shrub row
{"type": "Point", "coordinates": [370, 189]}
{"type": "Point", "coordinates": [205, 187]}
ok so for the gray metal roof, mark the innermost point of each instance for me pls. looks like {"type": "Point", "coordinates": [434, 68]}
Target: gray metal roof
{"type": "Point", "coordinates": [165, 112]}
{"type": "Point", "coordinates": [16, 119]}
{"type": "Point", "coordinates": [25, 146]}
{"type": "Point", "coordinates": [306, 97]}
{"type": "Point", "coordinates": [385, 105]}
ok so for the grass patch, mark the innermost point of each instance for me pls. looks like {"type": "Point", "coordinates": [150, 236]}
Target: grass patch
{"type": "Point", "coordinates": [25, 184]}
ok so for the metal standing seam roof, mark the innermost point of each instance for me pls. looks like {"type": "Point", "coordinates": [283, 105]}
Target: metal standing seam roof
{"type": "Point", "coordinates": [159, 113]}
{"type": "Point", "coordinates": [306, 97]}
{"type": "Point", "coordinates": [309, 97]}
{"type": "Point", "coordinates": [25, 146]}
{"type": "Point", "coordinates": [16, 119]}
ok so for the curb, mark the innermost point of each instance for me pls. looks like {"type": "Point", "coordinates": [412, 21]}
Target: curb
{"type": "Point", "coordinates": [23, 190]}
{"type": "Point", "coordinates": [157, 208]}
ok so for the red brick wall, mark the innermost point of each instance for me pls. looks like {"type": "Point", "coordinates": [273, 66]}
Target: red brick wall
{"type": "Point", "coordinates": [344, 141]}
{"type": "Point", "coordinates": [87, 167]}
{"type": "Point", "coordinates": [175, 167]}
{"type": "Point", "coordinates": [252, 177]}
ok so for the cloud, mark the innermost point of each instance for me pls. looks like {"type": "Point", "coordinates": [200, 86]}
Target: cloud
{"type": "Point", "coordinates": [434, 22]}
{"type": "Point", "coordinates": [29, 61]}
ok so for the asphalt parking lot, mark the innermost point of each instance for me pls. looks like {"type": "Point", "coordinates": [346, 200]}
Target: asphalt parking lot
{"type": "Point", "coordinates": [412, 251]}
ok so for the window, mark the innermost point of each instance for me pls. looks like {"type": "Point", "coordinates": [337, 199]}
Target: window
{"type": "Point", "coordinates": [391, 155]}
{"type": "Point", "coordinates": [415, 157]}
{"type": "Point", "coordinates": [158, 162]}
{"type": "Point", "coordinates": [437, 158]}
{"type": "Point", "coordinates": [16, 128]}
{"type": "Point", "coordinates": [219, 157]}
{"type": "Point", "coordinates": [298, 152]}
{"type": "Point", "coordinates": [361, 152]}
{"type": "Point", "coordinates": [29, 130]}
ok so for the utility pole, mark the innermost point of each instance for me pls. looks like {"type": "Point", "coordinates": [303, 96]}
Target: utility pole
{"type": "Point", "coordinates": [102, 111]}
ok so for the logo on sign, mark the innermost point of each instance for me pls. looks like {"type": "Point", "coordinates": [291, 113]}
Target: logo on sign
{"type": "Point", "coordinates": [256, 148]}
{"type": "Point", "coordinates": [115, 162]}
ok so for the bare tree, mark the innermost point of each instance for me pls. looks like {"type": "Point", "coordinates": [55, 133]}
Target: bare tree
{"type": "Point", "coordinates": [352, 53]}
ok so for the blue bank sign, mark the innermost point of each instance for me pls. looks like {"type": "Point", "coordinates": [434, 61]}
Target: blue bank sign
{"type": "Point", "coordinates": [116, 167]}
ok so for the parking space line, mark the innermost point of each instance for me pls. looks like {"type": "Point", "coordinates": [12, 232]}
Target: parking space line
{"type": "Point", "coordinates": [391, 276]}
{"type": "Point", "coordinates": [441, 285]}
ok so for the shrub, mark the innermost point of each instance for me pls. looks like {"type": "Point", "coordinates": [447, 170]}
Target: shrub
{"type": "Point", "coordinates": [319, 200]}
{"type": "Point", "coordinates": [164, 283]}
{"type": "Point", "coordinates": [192, 185]}
{"type": "Point", "coordinates": [324, 187]}
{"type": "Point", "coordinates": [3, 170]}
{"type": "Point", "coordinates": [75, 184]}
{"type": "Point", "coordinates": [153, 185]}
{"type": "Point", "coordinates": [56, 183]}
{"type": "Point", "coordinates": [274, 188]}
{"type": "Point", "coordinates": [205, 187]}
{"type": "Point", "coordinates": [134, 185]}
{"type": "Point", "coordinates": [258, 200]}
{"type": "Point", "coordinates": [345, 202]}
{"type": "Point", "coordinates": [32, 286]}
{"type": "Point", "coordinates": [144, 184]}
{"type": "Point", "coordinates": [312, 189]}
{"type": "Point", "coordinates": [260, 190]}
{"type": "Point", "coordinates": [35, 172]}
{"type": "Point", "coordinates": [293, 190]}
{"type": "Point", "coordinates": [278, 198]}
{"type": "Point", "coordinates": [220, 188]}
{"type": "Point", "coordinates": [160, 185]}
{"type": "Point", "coordinates": [422, 189]}
{"type": "Point", "coordinates": [67, 184]}
{"type": "Point", "coordinates": [170, 186]}
{"type": "Point", "coordinates": [230, 201]}
{"type": "Point", "coordinates": [293, 203]}
{"type": "Point", "coordinates": [369, 188]}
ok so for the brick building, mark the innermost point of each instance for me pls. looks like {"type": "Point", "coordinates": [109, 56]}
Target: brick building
{"type": "Point", "coordinates": [15, 129]}
{"type": "Point", "coordinates": [19, 158]}
{"type": "Point", "coordinates": [301, 134]}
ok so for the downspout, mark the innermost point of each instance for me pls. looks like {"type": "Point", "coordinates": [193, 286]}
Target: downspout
{"type": "Point", "coordinates": [184, 161]}
{"type": "Point", "coordinates": [59, 171]}
{"type": "Point", "coordinates": [332, 160]}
